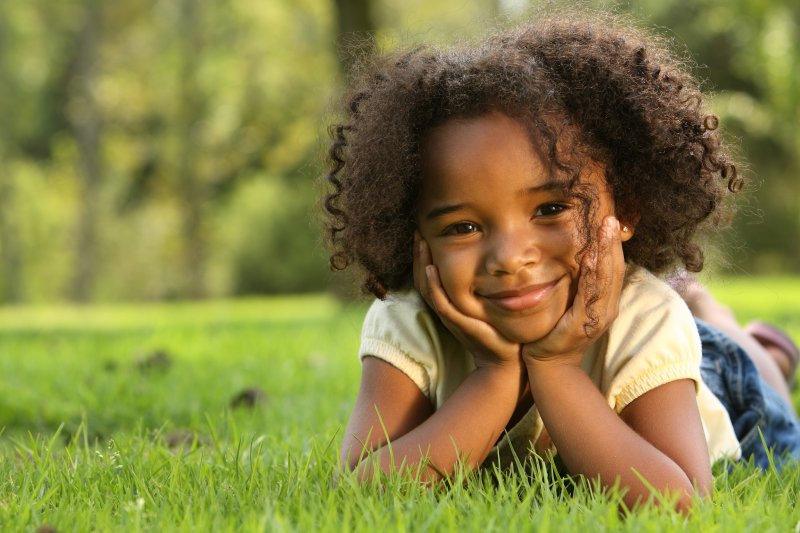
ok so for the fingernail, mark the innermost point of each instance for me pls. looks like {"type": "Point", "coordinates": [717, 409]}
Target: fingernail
{"type": "Point", "coordinates": [429, 271]}
{"type": "Point", "coordinates": [612, 222]}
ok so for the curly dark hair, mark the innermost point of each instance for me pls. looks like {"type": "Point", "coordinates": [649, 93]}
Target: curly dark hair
{"type": "Point", "coordinates": [603, 89]}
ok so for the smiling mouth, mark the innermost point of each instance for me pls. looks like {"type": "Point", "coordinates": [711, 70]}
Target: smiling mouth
{"type": "Point", "coordinates": [521, 299]}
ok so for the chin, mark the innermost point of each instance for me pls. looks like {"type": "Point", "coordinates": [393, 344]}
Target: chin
{"type": "Point", "coordinates": [524, 335]}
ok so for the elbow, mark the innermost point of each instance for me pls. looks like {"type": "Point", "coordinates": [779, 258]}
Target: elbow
{"type": "Point", "coordinates": [693, 492]}
{"type": "Point", "coordinates": [365, 468]}
{"type": "Point", "coordinates": [700, 490]}
{"type": "Point", "coordinates": [681, 495]}
{"type": "Point", "coordinates": [686, 500]}
{"type": "Point", "coordinates": [347, 463]}
{"type": "Point", "coordinates": [355, 463]}
{"type": "Point", "coordinates": [359, 469]}
{"type": "Point", "coordinates": [684, 503]}
{"type": "Point", "coordinates": [359, 466]}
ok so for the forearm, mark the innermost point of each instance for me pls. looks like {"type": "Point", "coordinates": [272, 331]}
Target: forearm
{"type": "Point", "coordinates": [594, 441]}
{"type": "Point", "coordinates": [463, 430]}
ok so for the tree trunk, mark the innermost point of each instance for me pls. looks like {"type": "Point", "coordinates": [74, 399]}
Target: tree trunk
{"type": "Point", "coordinates": [356, 27]}
{"type": "Point", "coordinates": [11, 254]}
{"type": "Point", "coordinates": [190, 190]}
{"type": "Point", "coordinates": [85, 122]}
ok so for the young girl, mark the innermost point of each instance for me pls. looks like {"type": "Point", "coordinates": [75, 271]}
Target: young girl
{"type": "Point", "coordinates": [510, 203]}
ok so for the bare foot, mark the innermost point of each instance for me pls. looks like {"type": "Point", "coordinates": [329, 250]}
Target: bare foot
{"type": "Point", "coordinates": [704, 306]}
{"type": "Point", "coordinates": [782, 360]}
{"type": "Point", "coordinates": [779, 345]}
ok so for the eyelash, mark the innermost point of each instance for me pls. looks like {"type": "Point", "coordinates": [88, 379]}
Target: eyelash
{"type": "Point", "coordinates": [465, 228]}
{"type": "Point", "coordinates": [454, 229]}
{"type": "Point", "coordinates": [559, 208]}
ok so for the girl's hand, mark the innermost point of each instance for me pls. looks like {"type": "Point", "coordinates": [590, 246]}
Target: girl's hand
{"type": "Point", "coordinates": [487, 346]}
{"type": "Point", "coordinates": [594, 307]}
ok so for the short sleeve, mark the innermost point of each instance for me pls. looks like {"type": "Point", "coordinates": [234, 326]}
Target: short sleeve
{"type": "Point", "coordinates": [653, 341]}
{"type": "Point", "coordinates": [401, 331]}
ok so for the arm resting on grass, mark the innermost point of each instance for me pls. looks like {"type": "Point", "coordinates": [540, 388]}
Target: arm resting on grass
{"type": "Point", "coordinates": [659, 436]}
{"type": "Point", "coordinates": [464, 429]}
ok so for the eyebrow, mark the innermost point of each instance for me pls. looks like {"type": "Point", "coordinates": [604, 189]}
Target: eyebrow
{"type": "Point", "coordinates": [551, 185]}
{"type": "Point", "coordinates": [444, 210]}
{"type": "Point", "coordinates": [545, 187]}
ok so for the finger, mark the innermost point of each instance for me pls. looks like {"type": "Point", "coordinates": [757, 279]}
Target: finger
{"type": "Point", "coordinates": [477, 336]}
{"type": "Point", "coordinates": [587, 292]}
{"type": "Point", "coordinates": [439, 299]}
{"type": "Point", "coordinates": [464, 328]}
{"type": "Point", "coordinates": [604, 285]}
{"type": "Point", "coordinates": [417, 268]}
{"type": "Point", "coordinates": [599, 284]}
{"type": "Point", "coordinates": [421, 263]}
{"type": "Point", "coordinates": [446, 310]}
{"type": "Point", "coordinates": [610, 266]}
{"type": "Point", "coordinates": [618, 257]}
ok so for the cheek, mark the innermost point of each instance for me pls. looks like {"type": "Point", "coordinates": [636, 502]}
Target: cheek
{"type": "Point", "coordinates": [454, 269]}
{"type": "Point", "coordinates": [563, 244]}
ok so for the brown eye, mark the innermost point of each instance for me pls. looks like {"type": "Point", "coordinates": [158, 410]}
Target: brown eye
{"type": "Point", "coordinates": [549, 210]}
{"type": "Point", "coordinates": [461, 228]}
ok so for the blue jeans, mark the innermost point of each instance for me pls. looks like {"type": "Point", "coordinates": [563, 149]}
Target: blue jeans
{"type": "Point", "coordinates": [751, 403]}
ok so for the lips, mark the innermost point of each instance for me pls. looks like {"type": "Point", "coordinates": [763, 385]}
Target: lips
{"type": "Point", "coordinates": [521, 299]}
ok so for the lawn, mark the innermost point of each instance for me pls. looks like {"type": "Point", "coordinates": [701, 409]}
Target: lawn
{"type": "Point", "coordinates": [226, 416]}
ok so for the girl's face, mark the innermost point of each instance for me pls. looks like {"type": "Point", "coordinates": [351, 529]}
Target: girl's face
{"type": "Point", "coordinates": [503, 235]}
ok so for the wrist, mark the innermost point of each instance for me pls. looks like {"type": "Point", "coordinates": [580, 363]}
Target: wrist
{"type": "Point", "coordinates": [513, 375]}
{"type": "Point", "coordinates": [534, 360]}
{"type": "Point", "coordinates": [539, 367]}
{"type": "Point", "coordinates": [501, 368]}
{"type": "Point", "coordinates": [500, 365]}
{"type": "Point", "coordinates": [507, 373]}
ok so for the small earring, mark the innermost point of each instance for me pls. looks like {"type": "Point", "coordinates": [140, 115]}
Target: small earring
{"type": "Point", "coordinates": [625, 229]}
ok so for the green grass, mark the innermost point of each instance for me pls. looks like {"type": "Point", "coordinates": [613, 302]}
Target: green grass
{"type": "Point", "coordinates": [89, 431]}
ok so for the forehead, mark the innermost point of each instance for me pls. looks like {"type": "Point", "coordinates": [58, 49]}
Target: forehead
{"type": "Point", "coordinates": [492, 153]}
{"type": "Point", "coordinates": [486, 145]}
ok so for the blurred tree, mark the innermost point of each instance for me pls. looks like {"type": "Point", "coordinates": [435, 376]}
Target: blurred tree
{"type": "Point", "coordinates": [157, 149]}
{"type": "Point", "coordinates": [355, 30]}
{"type": "Point", "coordinates": [190, 112]}
{"type": "Point", "coordinates": [10, 247]}
{"type": "Point", "coordinates": [33, 103]}
{"type": "Point", "coordinates": [749, 50]}
{"type": "Point", "coordinates": [84, 119]}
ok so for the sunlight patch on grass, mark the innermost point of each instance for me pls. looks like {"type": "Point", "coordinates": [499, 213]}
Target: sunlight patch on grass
{"type": "Point", "coordinates": [126, 316]}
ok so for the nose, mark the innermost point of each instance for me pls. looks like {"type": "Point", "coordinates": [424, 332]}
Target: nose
{"type": "Point", "coordinates": [509, 252]}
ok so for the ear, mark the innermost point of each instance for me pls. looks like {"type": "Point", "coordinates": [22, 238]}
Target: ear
{"type": "Point", "coordinates": [628, 227]}
{"type": "Point", "coordinates": [626, 230]}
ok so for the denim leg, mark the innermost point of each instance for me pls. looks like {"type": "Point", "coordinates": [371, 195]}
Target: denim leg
{"type": "Point", "coordinates": [754, 407]}
{"type": "Point", "coordinates": [784, 428]}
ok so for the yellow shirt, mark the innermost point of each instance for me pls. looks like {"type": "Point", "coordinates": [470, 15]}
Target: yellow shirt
{"type": "Point", "coordinates": [653, 341]}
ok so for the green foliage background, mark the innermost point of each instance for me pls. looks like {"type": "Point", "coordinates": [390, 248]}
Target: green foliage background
{"type": "Point", "coordinates": [154, 150]}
